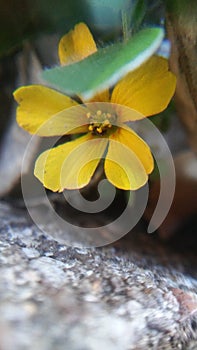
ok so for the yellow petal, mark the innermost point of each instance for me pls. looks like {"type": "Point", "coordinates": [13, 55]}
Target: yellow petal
{"type": "Point", "coordinates": [70, 165]}
{"type": "Point", "coordinates": [101, 97]}
{"type": "Point", "coordinates": [37, 106]}
{"type": "Point", "coordinates": [126, 114]}
{"type": "Point", "coordinates": [147, 89]}
{"type": "Point", "coordinates": [76, 45]}
{"type": "Point", "coordinates": [129, 138]}
{"type": "Point", "coordinates": [124, 164]}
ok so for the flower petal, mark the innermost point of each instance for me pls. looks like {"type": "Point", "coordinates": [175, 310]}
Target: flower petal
{"type": "Point", "coordinates": [128, 160]}
{"type": "Point", "coordinates": [101, 97]}
{"type": "Point", "coordinates": [126, 114]}
{"type": "Point", "coordinates": [37, 106]}
{"type": "Point", "coordinates": [76, 45]}
{"type": "Point", "coordinates": [147, 89]}
{"type": "Point", "coordinates": [70, 165]}
{"type": "Point", "coordinates": [129, 138]}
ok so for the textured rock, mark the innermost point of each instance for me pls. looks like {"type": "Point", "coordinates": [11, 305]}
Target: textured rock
{"type": "Point", "coordinates": [138, 295]}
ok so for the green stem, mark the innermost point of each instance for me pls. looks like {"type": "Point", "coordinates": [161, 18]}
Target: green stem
{"type": "Point", "coordinates": [125, 25]}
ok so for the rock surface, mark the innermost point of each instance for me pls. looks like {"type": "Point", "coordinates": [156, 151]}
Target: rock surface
{"type": "Point", "coordinates": [133, 295]}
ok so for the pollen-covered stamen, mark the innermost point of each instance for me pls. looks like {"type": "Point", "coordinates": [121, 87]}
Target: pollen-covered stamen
{"type": "Point", "coordinates": [100, 122]}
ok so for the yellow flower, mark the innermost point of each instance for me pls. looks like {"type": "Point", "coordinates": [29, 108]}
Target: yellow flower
{"type": "Point", "coordinates": [128, 159]}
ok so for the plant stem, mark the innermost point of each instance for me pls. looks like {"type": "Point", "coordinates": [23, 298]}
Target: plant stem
{"type": "Point", "coordinates": [125, 25]}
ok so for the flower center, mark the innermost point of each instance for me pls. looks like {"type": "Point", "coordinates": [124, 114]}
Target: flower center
{"type": "Point", "coordinates": [101, 123]}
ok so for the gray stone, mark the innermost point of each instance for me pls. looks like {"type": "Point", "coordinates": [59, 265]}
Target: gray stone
{"type": "Point", "coordinates": [133, 295]}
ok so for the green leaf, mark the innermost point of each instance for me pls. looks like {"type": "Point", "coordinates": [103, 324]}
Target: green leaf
{"type": "Point", "coordinates": [105, 67]}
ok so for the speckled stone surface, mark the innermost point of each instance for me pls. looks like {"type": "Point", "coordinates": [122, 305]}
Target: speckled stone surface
{"type": "Point", "coordinates": [132, 295]}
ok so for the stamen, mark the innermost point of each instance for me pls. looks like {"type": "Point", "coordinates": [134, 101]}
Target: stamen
{"type": "Point", "coordinates": [99, 130]}
{"type": "Point", "coordinates": [101, 122]}
{"type": "Point", "coordinates": [106, 122]}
